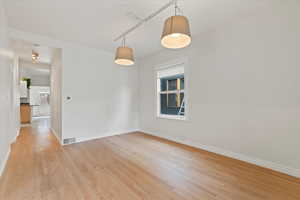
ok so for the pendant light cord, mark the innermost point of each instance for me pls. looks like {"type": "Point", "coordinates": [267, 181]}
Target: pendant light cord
{"type": "Point", "coordinates": [176, 7]}
{"type": "Point", "coordinates": [178, 10]}
{"type": "Point", "coordinates": [123, 41]}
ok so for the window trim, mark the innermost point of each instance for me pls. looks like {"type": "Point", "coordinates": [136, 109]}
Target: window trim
{"type": "Point", "coordinates": [179, 62]}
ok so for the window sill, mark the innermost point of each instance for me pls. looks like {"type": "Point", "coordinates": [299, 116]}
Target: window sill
{"type": "Point", "coordinates": [173, 117]}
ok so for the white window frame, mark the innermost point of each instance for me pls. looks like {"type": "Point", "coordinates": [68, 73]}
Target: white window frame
{"type": "Point", "coordinates": [172, 64]}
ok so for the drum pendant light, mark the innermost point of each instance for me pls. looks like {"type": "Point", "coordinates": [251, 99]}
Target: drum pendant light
{"type": "Point", "coordinates": [176, 33]}
{"type": "Point", "coordinates": [124, 55]}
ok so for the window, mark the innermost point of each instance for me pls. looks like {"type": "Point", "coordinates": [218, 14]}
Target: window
{"type": "Point", "coordinates": [171, 93]}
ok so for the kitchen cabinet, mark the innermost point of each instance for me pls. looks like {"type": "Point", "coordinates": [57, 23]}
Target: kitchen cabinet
{"type": "Point", "coordinates": [25, 111]}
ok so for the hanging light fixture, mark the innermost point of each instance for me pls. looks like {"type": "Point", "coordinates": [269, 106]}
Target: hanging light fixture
{"type": "Point", "coordinates": [124, 55]}
{"type": "Point", "coordinates": [176, 33]}
{"type": "Point", "coordinates": [34, 56]}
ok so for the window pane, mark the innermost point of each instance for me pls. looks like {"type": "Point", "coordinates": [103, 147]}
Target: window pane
{"type": "Point", "coordinates": [183, 105]}
{"type": "Point", "coordinates": [182, 83]}
{"type": "Point", "coordinates": [172, 100]}
{"type": "Point", "coordinates": [172, 84]}
{"type": "Point", "coordinates": [163, 103]}
{"type": "Point", "coordinates": [181, 97]}
{"type": "Point", "coordinates": [164, 108]}
{"type": "Point", "coordinates": [163, 84]}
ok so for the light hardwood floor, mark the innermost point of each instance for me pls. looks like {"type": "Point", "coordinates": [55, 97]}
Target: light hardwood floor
{"type": "Point", "coordinates": [132, 167]}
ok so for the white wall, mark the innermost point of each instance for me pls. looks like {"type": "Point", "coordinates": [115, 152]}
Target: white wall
{"type": "Point", "coordinates": [8, 105]}
{"type": "Point", "coordinates": [104, 96]}
{"type": "Point", "coordinates": [244, 94]}
{"type": "Point", "coordinates": [39, 73]}
{"type": "Point", "coordinates": [55, 93]}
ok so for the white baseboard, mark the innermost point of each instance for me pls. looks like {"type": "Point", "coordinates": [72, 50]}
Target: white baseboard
{"type": "Point", "coordinates": [18, 132]}
{"type": "Point", "coordinates": [3, 164]}
{"type": "Point", "coordinates": [108, 134]}
{"type": "Point", "coordinates": [263, 163]}
{"type": "Point", "coordinates": [55, 134]}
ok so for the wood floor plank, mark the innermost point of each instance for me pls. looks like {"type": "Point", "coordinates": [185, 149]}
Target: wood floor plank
{"type": "Point", "coordinates": [133, 166]}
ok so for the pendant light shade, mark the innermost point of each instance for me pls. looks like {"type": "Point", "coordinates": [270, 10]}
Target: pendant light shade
{"type": "Point", "coordinates": [176, 33]}
{"type": "Point", "coordinates": [124, 56]}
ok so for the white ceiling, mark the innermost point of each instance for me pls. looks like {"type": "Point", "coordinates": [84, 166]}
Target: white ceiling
{"type": "Point", "coordinates": [95, 23]}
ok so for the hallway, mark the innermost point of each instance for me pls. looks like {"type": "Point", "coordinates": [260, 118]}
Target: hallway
{"type": "Point", "coordinates": [133, 167]}
{"type": "Point", "coordinates": [30, 162]}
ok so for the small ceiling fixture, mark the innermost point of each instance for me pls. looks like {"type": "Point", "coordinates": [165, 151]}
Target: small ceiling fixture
{"type": "Point", "coordinates": [124, 55]}
{"type": "Point", "coordinates": [176, 33]}
{"type": "Point", "coordinates": [34, 56]}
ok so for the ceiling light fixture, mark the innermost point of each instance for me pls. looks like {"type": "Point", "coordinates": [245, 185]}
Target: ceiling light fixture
{"type": "Point", "coordinates": [176, 33]}
{"type": "Point", "coordinates": [34, 56]}
{"type": "Point", "coordinates": [124, 55]}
